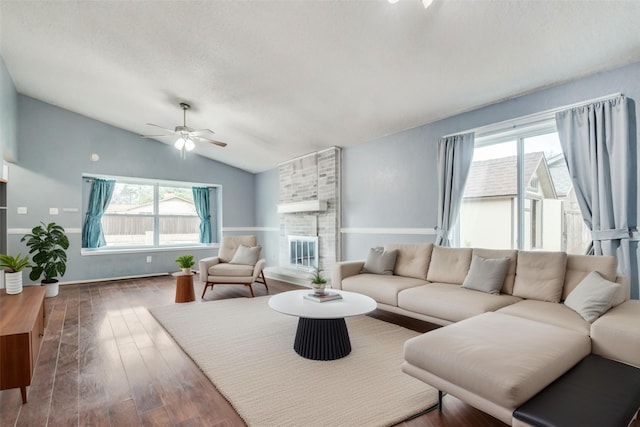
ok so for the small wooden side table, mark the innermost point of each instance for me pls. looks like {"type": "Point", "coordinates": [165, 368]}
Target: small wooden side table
{"type": "Point", "coordinates": [184, 287]}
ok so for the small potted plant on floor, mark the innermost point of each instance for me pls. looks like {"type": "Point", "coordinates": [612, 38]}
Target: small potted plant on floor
{"type": "Point", "coordinates": [12, 269]}
{"type": "Point", "coordinates": [318, 283]}
{"type": "Point", "coordinates": [48, 244]}
{"type": "Point", "coordinates": [185, 262]}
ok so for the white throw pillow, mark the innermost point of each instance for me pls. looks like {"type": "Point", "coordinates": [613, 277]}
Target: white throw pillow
{"type": "Point", "coordinates": [487, 274]}
{"type": "Point", "coordinates": [380, 261]}
{"type": "Point", "coordinates": [592, 297]}
{"type": "Point", "coordinates": [246, 255]}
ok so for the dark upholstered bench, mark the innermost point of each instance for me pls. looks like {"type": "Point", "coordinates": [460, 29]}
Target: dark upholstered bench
{"type": "Point", "coordinates": [596, 392]}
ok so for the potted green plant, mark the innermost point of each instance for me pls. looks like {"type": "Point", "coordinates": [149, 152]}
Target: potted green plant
{"type": "Point", "coordinates": [185, 262]}
{"type": "Point", "coordinates": [318, 283]}
{"type": "Point", "coordinates": [12, 270]}
{"type": "Point", "coordinates": [48, 244]}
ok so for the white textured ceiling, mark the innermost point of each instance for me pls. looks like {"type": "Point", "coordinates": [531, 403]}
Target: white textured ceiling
{"type": "Point", "coordinates": [278, 79]}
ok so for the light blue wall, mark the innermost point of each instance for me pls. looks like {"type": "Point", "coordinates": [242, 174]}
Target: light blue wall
{"type": "Point", "coordinates": [266, 215]}
{"type": "Point", "coordinates": [54, 148]}
{"type": "Point", "coordinates": [391, 182]}
{"type": "Point", "coordinates": [8, 116]}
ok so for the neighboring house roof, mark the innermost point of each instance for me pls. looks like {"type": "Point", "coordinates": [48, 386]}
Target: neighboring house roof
{"type": "Point", "coordinates": [503, 175]}
{"type": "Point", "coordinates": [560, 175]}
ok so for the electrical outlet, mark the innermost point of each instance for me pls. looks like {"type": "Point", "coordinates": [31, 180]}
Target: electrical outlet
{"type": "Point", "coordinates": [149, 258]}
{"type": "Point", "coordinates": [22, 210]}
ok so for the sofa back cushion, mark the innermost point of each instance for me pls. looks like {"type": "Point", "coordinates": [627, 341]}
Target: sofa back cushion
{"type": "Point", "coordinates": [449, 265]}
{"type": "Point", "coordinates": [380, 261]}
{"type": "Point", "coordinates": [579, 266]}
{"type": "Point", "coordinates": [412, 259]}
{"type": "Point", "coordinates": [540, 275]}
{"type": "Point", "coordinates": [512, 254]}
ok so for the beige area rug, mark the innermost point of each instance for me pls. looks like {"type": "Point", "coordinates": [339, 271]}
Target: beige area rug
{"type": "Point", "coordinates": [246, 350]}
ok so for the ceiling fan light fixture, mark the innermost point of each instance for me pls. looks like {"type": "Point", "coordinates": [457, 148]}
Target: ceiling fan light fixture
{"type": "Point", "coordinates": [427, 3]}
{"type": "Point", "coordinates": [180, 143]}
{"type": "Point", "coordinates": [187, 136]}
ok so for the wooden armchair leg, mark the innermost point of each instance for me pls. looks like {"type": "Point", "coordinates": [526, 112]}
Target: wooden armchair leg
{"type": "Point", "coordinates": [205, 289]}
{"type": "Point", "coordinates": [264, 281]}
{"type": "Point", "coordinates": [251, 290]}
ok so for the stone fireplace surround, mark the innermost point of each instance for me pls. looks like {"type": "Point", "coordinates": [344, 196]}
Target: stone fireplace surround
{"type": "Point", "coordinates": [309, 205]}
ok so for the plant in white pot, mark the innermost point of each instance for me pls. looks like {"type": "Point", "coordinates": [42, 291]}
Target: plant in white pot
{"type": "Point", "coordinates": [12, 268]}
{"type": "Point", "coordinates": [185, 262]}
{"type": "Point", "coordinates": [318, 283]}
{"type": "Point", "coordinates": [48, 244]}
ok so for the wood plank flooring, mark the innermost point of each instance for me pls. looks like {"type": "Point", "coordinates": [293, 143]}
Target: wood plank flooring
{"type": "Point", "coordinates": [105, 361]}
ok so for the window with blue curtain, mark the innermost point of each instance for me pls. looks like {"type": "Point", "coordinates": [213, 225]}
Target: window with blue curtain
{"type": "Point", "coordinates": [92, 234]}
{"type": "Point", "coordinates": [140, 213]}
{"type": "Point", "coordinates": [203, 208]}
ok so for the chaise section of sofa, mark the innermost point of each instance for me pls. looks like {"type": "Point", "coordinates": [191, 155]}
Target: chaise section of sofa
{"type": "Point", "coordinates": [494, 361]}
{"type": "Point", "coordinates": [505, 336]}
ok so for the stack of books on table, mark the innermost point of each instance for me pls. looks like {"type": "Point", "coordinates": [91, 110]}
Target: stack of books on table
{"type": "Point", "coordinates": [328, 296]}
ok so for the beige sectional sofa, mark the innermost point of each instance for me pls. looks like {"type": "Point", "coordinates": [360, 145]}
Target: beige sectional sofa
{"type": "Point", "coordinates": [499, 349]}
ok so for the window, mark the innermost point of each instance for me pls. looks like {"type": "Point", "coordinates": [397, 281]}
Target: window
{"type": "Point", "coordinates": [519, 194]}
{"type": "Point", "coordinates": [145, 213]}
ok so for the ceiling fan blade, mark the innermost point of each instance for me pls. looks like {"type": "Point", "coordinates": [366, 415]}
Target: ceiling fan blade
{"type": "Point", "coordinates": [201, 131]}
{"type": "Point", "coordinates": [212, 141]}
{"type": "Point", "coordinates": [168, 130]}
{"type": "Point", "coordinates": [154, 136]}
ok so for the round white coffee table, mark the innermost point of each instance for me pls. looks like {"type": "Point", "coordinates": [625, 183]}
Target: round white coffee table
{"type": "Point", "coordinates": [322, 332]}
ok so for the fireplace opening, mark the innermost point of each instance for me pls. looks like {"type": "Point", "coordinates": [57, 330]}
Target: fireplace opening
{"type": "Point", "coordinates": [303, 252]}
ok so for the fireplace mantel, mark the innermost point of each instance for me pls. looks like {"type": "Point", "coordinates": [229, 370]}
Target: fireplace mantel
{"type": "Point", "coordinates": [304, 206]}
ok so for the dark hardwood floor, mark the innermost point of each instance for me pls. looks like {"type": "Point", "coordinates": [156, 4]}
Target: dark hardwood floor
{"type": "Point", "coordinates": [105, 361]}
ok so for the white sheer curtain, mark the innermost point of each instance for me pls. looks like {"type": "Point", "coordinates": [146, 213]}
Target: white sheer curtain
{"type": "Point", "coordinates": [455, 154]}
{"type": "Point", "coordinates": [595, 141]}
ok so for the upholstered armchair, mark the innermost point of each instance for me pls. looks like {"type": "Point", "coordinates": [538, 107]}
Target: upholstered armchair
{"type": "Point", "coordinates": [237, 263]}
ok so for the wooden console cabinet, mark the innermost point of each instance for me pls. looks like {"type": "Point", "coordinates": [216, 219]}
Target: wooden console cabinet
{"type": "Point", "coordinates": [21, 332]}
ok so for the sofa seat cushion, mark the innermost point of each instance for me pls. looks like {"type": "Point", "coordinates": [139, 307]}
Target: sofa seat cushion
{"type": "Point", "coordinates": [616, 334]}
{"type": "Point", "coordinates": [451, 302]}
{"type": "Point", "coordinates": [552, 313]}
{"type": "Point", "coordinates": [384, 289]}
{"type": "Point", "coordinates": [231, 270]}
{"type": "Point", "coordinates": [504, 359]}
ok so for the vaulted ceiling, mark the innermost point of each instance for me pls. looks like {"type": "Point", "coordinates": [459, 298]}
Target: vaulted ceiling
{"type": "Point", "coordinates": [278, 79]}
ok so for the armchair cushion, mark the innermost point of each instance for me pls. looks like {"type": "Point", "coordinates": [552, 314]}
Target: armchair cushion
{"type": "Point", "coordinates": [246, 255]}
{"type": "Point", "coordinates": [226, 269]}
{"type": "Point", "coordinates": [230, 244]}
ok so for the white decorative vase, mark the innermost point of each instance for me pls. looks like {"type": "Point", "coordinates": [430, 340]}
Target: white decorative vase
{"type": "Point", "coordinates": [318, 288]}
{"type": "Point", "coordinates": [13, 282]}
{"type": "Point", "coordinates": [186, 270]}
{"type": "Point", "coordinates": [51, 289]}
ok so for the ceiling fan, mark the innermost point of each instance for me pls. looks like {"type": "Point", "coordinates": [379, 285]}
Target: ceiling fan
{"type": "Point", "coordinates": [186, 135]}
